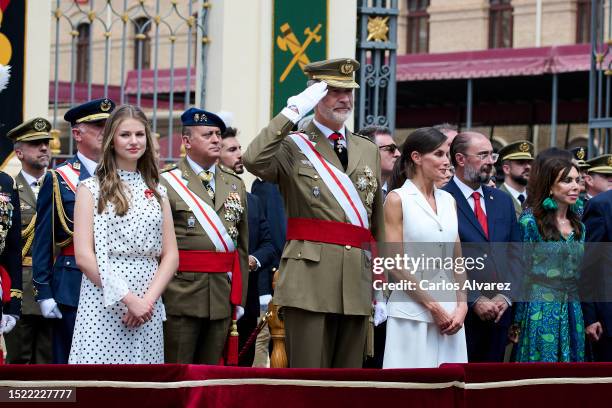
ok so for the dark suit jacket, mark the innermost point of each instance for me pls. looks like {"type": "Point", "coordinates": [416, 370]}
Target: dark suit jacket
{"type": "Point", "coordinates": [597, 219]}
{"type": "Point", "coordinates": [272, 203]}
{"type": "Point", "coordinates": [60, 278]}
{"type": "Point", "coordinates": [503, 261]}
{"type": "Point", "coordinates": [260, 246]}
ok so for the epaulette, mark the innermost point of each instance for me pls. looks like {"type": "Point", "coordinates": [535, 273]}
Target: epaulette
{"type": "Point", "coordinates": [364, 137]}
{"type": "Point", "coordinates": [227, 170]}
{"type": "Point", "coordinates": [168, 167]}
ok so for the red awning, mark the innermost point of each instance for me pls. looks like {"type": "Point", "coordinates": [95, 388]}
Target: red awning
{"type": "Point", "coordinates": [148, 83]}
{"type": "Point", "coordinates": [501, 62]}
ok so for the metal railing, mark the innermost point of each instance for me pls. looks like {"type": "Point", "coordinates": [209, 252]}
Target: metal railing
{"type": "Point", "coordinates": [175, 31]}
{"type": "Point", "coordinates": [600, 86]}
{"type": "Point", "coordinates": [376, 51]}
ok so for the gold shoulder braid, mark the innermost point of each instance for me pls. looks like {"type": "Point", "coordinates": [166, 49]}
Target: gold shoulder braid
{"type": "Point", "coordinates": [6, 218]}
{"type": "Point", "coordinates": [61, 213]}
{"type": "Point", "coordinates": [27, 234]}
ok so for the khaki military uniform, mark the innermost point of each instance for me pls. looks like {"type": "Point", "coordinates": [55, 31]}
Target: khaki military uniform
{"type": "Point", "coordinates": [518, 209]}
{"type": "Point", "coordinates": [198, 304]}
{"type": "Point", "coordinates": [30, 341]}
{"type": "Point", "coordinates": [321, 286]}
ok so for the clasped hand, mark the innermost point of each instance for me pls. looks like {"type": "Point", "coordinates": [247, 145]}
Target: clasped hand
{"type": "Point", "coordinates": [140, 311]}
{"type": "Point", "coordinates": [449, 323]}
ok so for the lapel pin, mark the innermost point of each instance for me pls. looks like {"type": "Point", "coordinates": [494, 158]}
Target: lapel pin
{"type": "Point", "coordinates": [234, 187]}
{"type": "Point", "coordinates": [316, 192]}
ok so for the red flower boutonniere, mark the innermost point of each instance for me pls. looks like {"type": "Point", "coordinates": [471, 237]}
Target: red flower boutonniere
{"type": "Point", "coordinates": [148, 193]}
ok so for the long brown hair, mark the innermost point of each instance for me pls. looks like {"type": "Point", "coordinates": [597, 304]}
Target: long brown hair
{"type": "Point", "coordinates": [423, 140]}
{"type": "Point", "coordinates": [111, 186]}
{"type": "Point", "coordinates": [549, 170]}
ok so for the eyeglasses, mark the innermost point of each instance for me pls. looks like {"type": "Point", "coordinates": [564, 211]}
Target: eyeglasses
{"type": "Point", "coordinates": [483, 156]}
{"type": "Point", "coordinates": [391, 148]}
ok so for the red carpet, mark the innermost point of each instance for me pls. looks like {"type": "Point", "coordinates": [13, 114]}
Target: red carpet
{"type": "Point", "coordinates": [453, 385]}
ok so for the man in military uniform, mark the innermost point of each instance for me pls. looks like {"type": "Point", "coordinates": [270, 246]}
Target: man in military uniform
{"type": "Point", "coordinates": [599, 175]}
{"type": "Point", "coordinates": [209, 208]}
{"type": "Point", "coordinates": [10, 265]}
{"type": "Point", "coordinates": [330, 181]}
{"type": "Point", "coordinates": [30, 342]}
{"type": "Point", "coordinates": [57, 280]}
{"type": "Point", "coordinates": [516, 159]}
{"type": "Point", "coordinates": [580, 153]}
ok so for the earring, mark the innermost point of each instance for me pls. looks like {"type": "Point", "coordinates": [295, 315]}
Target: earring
{"type": "Point", "coordinates": [577, 206]}
{"type": "Point", "coordinates": [549, 204]}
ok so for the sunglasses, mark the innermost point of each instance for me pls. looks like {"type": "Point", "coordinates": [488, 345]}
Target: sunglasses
{"type": "Point", "coordinates": [391, 148]}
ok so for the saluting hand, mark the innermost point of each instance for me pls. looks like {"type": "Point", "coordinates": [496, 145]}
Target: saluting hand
{"type": "Point", "coordinates": [308, 99]}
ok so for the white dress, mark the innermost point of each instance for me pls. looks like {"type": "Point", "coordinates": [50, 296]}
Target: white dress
{"type": "Point", "coordinates": [127, 252]}
{"type": "Point", "coordinates": [413, 339]}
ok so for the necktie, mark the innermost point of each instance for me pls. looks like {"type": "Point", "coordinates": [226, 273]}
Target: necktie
{"type": "Point", "coordinates": [340, 149]}
{"type": "Point", "coordinates": [36, 188]}
{"type": "Point", "coordinates": [206, 176]}
{"type": "Point", "coordinates": [521, 198]}
{"type": "Point", "coordinates": [480, 215]}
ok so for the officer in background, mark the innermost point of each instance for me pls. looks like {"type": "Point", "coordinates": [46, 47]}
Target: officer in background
{"type": "Point", "coordinates": [57, 280]}
{"type": "Point", "coordinates": [330, 181]}
{"type": "Point", "coordinates": [209, 208]}
{"type": "Point", "coordinates": [580, 153]}
{"type": "Point", "coordinates": [599, 176]}
{"type": "Point", "coordinates": [30, 341]}
{"type": "Point", "coordinates": [516, 159]}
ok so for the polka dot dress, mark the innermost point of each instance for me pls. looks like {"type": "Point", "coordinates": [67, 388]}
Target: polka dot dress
{"type": "Point", "coordinates": [127, 253]}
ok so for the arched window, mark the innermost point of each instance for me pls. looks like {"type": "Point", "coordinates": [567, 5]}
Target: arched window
{"type": "Point", "coordinates": [500, 24]}
{"type": "Point", "coordinates": [82, 52]}
{"type": "Point", "coordinates": [141, 35]}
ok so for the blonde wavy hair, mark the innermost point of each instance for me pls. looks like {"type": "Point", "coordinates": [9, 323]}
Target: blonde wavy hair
{"type": "Point", "coordinates": [111, 186]}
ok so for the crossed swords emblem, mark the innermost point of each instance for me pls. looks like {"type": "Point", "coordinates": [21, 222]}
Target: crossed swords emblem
{"type": "Point", "coordinates": [288, 41]}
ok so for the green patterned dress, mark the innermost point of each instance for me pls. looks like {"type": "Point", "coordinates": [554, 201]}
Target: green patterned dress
{"type": "Point", "coordinates": [551, 324]}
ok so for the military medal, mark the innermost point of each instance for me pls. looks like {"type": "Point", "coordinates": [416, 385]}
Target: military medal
{"type": "Point", "coordinates": [234, 187]}
{"type": "Point", "coordinates": [362, 183]}
{"type": "Point", "coordinates": [191, 222]}
{"type": "Point", "coordinates": [76, 166]}
{"type": "Point", "coordinates": [316, 192]}
{"type": "Point", "coordinates": [233, 207]}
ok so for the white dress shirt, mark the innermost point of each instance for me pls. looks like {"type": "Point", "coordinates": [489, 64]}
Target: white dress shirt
{"type": "Point", "coordinates": [327, 132]}
{"type": "Point", "coordinates": [515, 193]}
{"type": "Point", "coordinates": [467, 192]}
{"type": "Point", "coordinates": [89, 164]}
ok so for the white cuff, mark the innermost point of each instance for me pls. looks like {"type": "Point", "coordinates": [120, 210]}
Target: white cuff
{"type": "Point", "coordinates": [291, 115]}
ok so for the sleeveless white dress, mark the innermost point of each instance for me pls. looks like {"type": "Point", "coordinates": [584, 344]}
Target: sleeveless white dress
{"type": "Point", "coordinates": [413, 339]}
{"type": "Point", "coordinates": [127, 252]}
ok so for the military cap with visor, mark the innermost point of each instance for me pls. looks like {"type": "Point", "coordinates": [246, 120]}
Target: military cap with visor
{"type": "Point", "coordinates": [31, 130]}
{"type": "Point", "coordinates": [580, 153]}
{"type": "Point", "coordinates": [337, 73]}
{"type": "Point", "coordinates": [521, 150]}
{"type": "Point", "coordinates": [89, 112]}
{"type": "Point", "coordinates": [600, 164]}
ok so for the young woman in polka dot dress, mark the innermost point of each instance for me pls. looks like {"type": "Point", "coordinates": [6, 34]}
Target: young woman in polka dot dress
{"type": "Point", "coordinates": [125, 245]}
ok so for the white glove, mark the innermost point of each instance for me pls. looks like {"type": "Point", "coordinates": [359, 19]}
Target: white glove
{"type": "Point", "coordinates": [239, 312]}
{"type": "Point", "coordinates": [305, 101]}
{"type": "Point", "coordinates": [49, 309]}
{"type": "Point", "coordinates": [380, 313]}
{"type": "Point", "coordinates": [7, 323]}
{"type": "Point", "coordinates": [264, 300]}
{"type": "Point", "coordinates": [229, 276]}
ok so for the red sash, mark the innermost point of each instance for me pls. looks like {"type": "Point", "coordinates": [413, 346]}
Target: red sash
{"type": "Point", "coordinates": [214, 262]}
{"type": "Point", "coordinates": [332, 232]}
{"type": "Point", "coordinates": [6, 286]}
{"type": "Point", "coordinates": [68, 250]}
